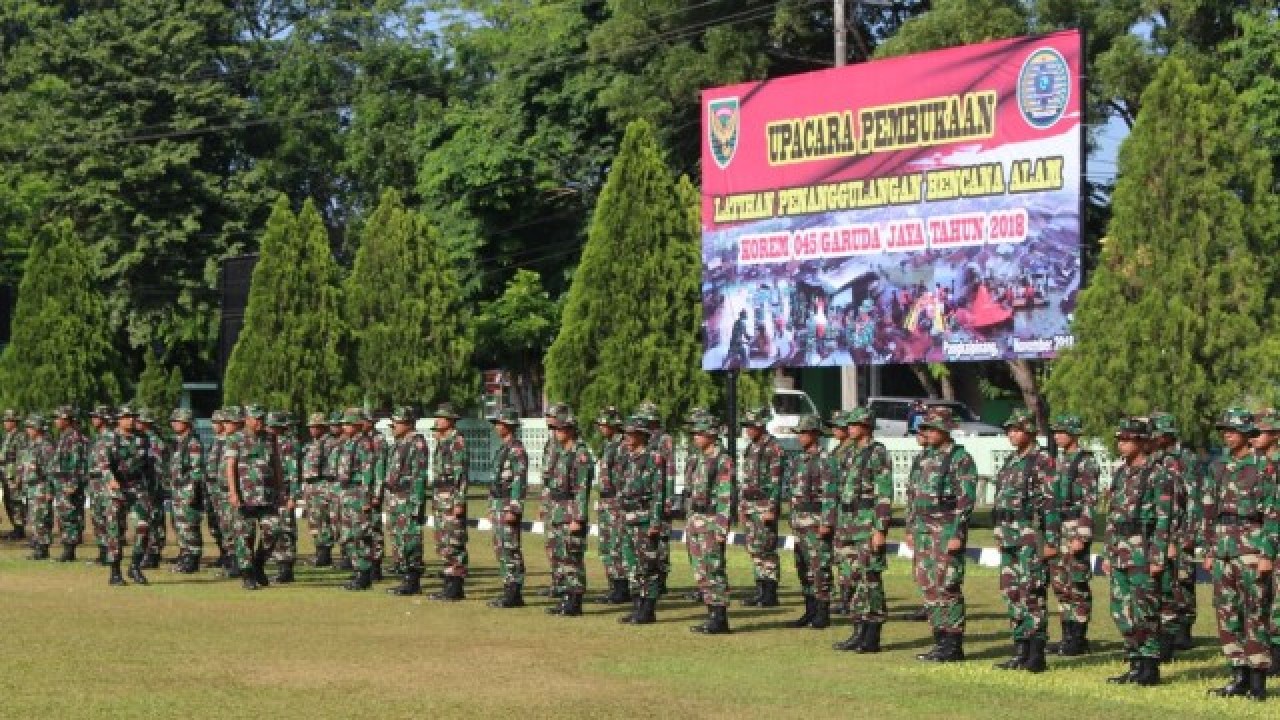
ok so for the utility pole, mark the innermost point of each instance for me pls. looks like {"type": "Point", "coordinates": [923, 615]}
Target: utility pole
{"type": "Point", "coordinates": [841, 30]}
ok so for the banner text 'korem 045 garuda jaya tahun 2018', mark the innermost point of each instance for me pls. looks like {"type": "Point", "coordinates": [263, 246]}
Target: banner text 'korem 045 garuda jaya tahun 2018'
{"type": "Point", "coordinates": [918, 209]}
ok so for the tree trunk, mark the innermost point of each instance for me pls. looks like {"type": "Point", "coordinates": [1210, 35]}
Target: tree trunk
{"type": "Point", "coordinates": [925, 378]}
{"type": "Point", "coordinates": [1024, 375]}
{"type": "Point", "coordinates": [947, 387]}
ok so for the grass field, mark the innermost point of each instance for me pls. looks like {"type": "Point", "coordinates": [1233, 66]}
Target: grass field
{"type": "Point", "coordinates": [199, 646]}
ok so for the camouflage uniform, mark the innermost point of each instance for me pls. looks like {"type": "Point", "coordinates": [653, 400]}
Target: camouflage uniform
{"type": "Point", "coordinates": [377, 447]}
{"type": "Point", "coordinates": [285, 551]}
{"type": "Point", "coordinates": [449, 484]}
{"type": "Point", "coordinates": [407, 465]}
{"type": "Point", "coordinates": [842, 562]}
{"type": "Point", "coordinates": [252, 466]}
{"type": "Point", "coordinates": [1139, 509]}
{"type": "Point", "coordinates": [550, 451]}
{"type": "Point", "coordinates": [1178, 581]}
{"type": "Point", "coordinates": [353, 470]}
{"type": "Point", "coordinates": [36, 475]}
{"type": "Point", "coordinates": [15, 497]}
{"type": "Point", "coordinates": [761, 494]}
{"type": "Point", "coordinates": [709, 486]}
{"type": "Point", "coordinates": [1269, 421]}
{"type": "Point", "coordinates": [866, 508]}
{"type": "Point", "coordinates": [944, 497]}
{"type": "Point", "coordinates": [1075, 495]}
{"type": "Point", "coordinates": [186, 466]}
{"type": "Point", "coordinates": [569, 494]}
{"type": "Point", "coordinates": [99, 502]}
{"type": "Point", "coordinates": [811, 479]}
{"type": "Point", "coordinates": [1241, 526]}
{"type": "Point", "coordinates": [318, 491]}
{"type": "Point", "coordinates": [125, 465]}
{"type": "Point", "coordinates": [218, 509]}
{"type": "Point", "coordinates": [1026, 519]}
{"type": "Point", "coordinates": [160, 492]}
{"type": "Point", "coordinates": [662, 443]}
{"type": "Point", "coordinates": [641, 497]}
{"type": "Point", "coordinates": [70, 470]}
{"type": "Point", "coordinates": [507, 493]}
{"type": "Point", "coordinates": [609, 522]}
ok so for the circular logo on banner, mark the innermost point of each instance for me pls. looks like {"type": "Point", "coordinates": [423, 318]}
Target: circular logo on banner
{"type": "Point", "coordinates": [1044, 86]}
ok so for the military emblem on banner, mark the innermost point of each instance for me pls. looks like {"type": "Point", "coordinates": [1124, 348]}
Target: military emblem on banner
{"type": "Point", "coordinates": [1044, 86]}
{"type": "Point", "coordinates": [723, 118]}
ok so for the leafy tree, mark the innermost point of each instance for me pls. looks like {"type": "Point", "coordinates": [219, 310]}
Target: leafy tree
{"type": "Point", "coordinates": [61, 348]}
{"type": "Point", "coordinates": [291, 353]}
{"type": "Point", "coordinates": [156, 389]}
{"type": "Point", "coordinates": [1177, 312]}
{"type": "Point", "coordinates": [514, 331]}
{"type": "Point", "coordinates": [412, 330]}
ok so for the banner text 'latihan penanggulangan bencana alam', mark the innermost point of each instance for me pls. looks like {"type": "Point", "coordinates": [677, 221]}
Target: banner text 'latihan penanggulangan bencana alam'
{"type": "Point", "coordinates": [918, 209]}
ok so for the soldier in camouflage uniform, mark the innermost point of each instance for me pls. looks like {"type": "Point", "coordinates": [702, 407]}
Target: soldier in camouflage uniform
{"type": "Point", "coordinates": [100, 419]}
{"type": "Point", "coordinates": [550, 450]}
{"type": "Point", "coordinates": [1027, 528]}
{"type": "Point", "coordinates": [761, 504]}
{"type": "Point", "coordinates": [1267, 424]}
{"type": "Point", "coordinates": [408, 461]}
{"type": "Point", "coordinates": [569, 495]}
{"type": "Point", "coordinates": [909, 521]}
{"type": "Point", "coordinates": [353, 469]}
{"type": "Point", "coordinates": [124, 467]}
{"type": "Point", "coordinates": [317, 475]}
{"type": "Point", "coordinates": [862, 528]}
{"type": "Point", "coordinates": [1241, 526]}
{"type": "Point", "coordinates": [608, 511]}
{"type": "Point", "coordinates": [943, 501]}
{"type": "Point", "coordinates": [255, 488]}
{"type": "Point", "coordinates": [70, 473]}
{"type": "Point", "coordinates": [337, 441]}
{"type": "Point", "coordinates": [219, 514]}
{"type": "Point", "coordinates": [507, 493]}
{"type": "Point", "coordinates": [285, 552]}
{"type": "Point", "coordinates": [709, 487]}
{"type": "Point", "coordinates": [1075, 494]}
{"type": "Point", "coordinates": [811, 479]}
{"type": "Point", "coordinates": [160, 494]}
{"type": "Point", "coordinates": [1140, 502]}
{"type": "Point", "coordinates": [641, 498]}
{"type": "Point", "coordinates": [449, 502]}
{"type": "Point", "coordinates": [842, 568]}
{"type": "Point", "coordinates": [376, 443]}
{"type": "Point", "coordinates": [186, 466]}
{"type": "Point", "coordinates": [15, 497]}
{"type": "Point", "coordinates": [1178, 582]}
{"type": "Point", "coordinates": [664, 445]}
{"type": "Point", "coordinates": [35, 472]}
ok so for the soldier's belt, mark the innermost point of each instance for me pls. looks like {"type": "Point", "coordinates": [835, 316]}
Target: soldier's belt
{"type": "Point", "coordinates": [1135, 528]}
{"type": "Point", "coordinates": [812, 507]}
{"type": "Point", "coordinates": [636, 502]}
{"type": "Point", "coordinates": [560, 496]}
{"type": "Point", "coordinates": [859, 504]}
{"type": "Point", "coordinates": [1002, 516]}
{"type": "Point", "coordinates": [1071, 513]}
{"type": "Point", "coordinates": [753, 494]}
{"type": "Point", "coordinates": [701, 509]}
{"type": "Point", "coordinates": [608, 494]}
{"type": "Point", "coordinates": [497, 492]}
{"type": "Point", "coordinates": [1234, 520]}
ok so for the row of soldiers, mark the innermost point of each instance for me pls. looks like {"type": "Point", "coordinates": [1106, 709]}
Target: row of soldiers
{"type": "Point", "coordinates": [1167, 512]}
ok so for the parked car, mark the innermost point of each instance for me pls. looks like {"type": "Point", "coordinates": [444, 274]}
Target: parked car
{"type": "Point", "coordinates": [892, 415]}
{"type": "Point", "coordinates": [788, 407]}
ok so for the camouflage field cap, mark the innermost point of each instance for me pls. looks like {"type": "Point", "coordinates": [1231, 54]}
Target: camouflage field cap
{"type": "Point", "coordinates": [836, 419]}
{"type": "Point", "coordinates": [1021, 419]}
{"type": "Point", "coordinates": [939, 417]}
{"type": "Point", "coordinates": [1267, 420]}
{"type": "Point", "coordinates": [637, 424]}
{"type": "Point", "coordinates": [11, 415]}
{"type": "Point", "coordinates": [102, 411]}
{"type": "Point", "coordinates": [696, 414]}
{"type": "Point", "coordinates": [705, 425]}
{"type": "Point", "coordinates": [404, 414]}
{"type": "Point", "coordinates": [182, 415]}
{"type": "Point", "coordinates": [1133, 428]}
{"type": "Point", "coordinates": [278, 419]}
{"type": "Point", "coordinates": [1066, 423]}
{"type": "Point", "coordinates": [126, 410]}
{"type": "Point", "coordinates": [445, 410]}
{"type": "Point", "coordinates": [508, 417]}
{"type": "Point", "coordinates": [860, 416]}
{"type": "Point", "coordinates": [37, 421]}
{"type": "Point", "coordinates": [555, 409]}
{"type": "Point", "coordinates": [611, 417]}
{"type": "Point", "coordinates": [146, 417]}
{"type": "Point", "coordinates": [335, 418]}
{"type": "Point", "coordinates": [218, 416]}
{"type": "Point", "coordinates": [810, 424]}
{"type": "Point", "coordinates": [66, 412]}
{"type": "Point", "coordinates": [255, 411]}
{"type": "Point", "coordinates": [352, 416]}
{"type": "Point", "coordinates": [647, 411]}
{"type": "Point", "coordinates": [317, 419]}
{"type": "Point", "coordinates": [1163, 423]}
{"type": "Point", "coordinates": [1238, 420]}
{"type": "Point", "coordinates": [233, 414]}
{"type": "Point", "coordinates": [565, 421]}
{"type": "Point", "coordinates": [756, 417]}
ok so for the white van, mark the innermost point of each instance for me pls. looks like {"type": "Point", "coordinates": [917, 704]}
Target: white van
{"type": "Point", "coordinates": [788, 407]}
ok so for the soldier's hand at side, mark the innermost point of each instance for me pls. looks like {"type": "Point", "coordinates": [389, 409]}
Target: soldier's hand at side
{"type": "Point", "coordinates": [1172, 553]}
{"type": "Point", "coordinates": [824, 531]}
{"type": "Point", "coordinates": [234, 500]}
{"type": "Point", "coordinates": [1049, 552]}
{"type": "Point", "coordinates": [114, 486]}
{"type": "Point", "coordinates": [877, 539]}
{"type": "Point", "coordinates": [954, 545]}
{"type": "Point", "coordinates": [910, 541]}
{"type": "Point", "coordinates": [770, 517]}
{"type": "Point", "coordinates": [654, 532]}
{"type": "Point", "coordinates": [1106, 567]}
{"type": "Point", "coordinates": [575, 527]}
{"type": "Point", "coordinates": [459, 510]}
{"type": "Point", "coordinates": [1264, 566]}
{"type": "Point", "coordinates": [1076, 545]}
{"type": "Point", "coordinates": [509, 518]}
{"type": "Point", "coordinates": [291, 505]}
{"type": "Point", "coordinates": [1157, 568]}
{"type": "Point", "coordinates": [1207, 564]}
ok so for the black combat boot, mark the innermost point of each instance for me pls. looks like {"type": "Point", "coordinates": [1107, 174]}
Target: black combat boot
{"type": "Point", "coordinates": [260, 567]}
{"type": "Point", "coordinates": [324, 556]}
{"type": "Point", "coordinates": [102, 556]}
{"type": "Point", "coordinates": [363, 580]}
{"type": "Point", "coordinates": [933, 652]}
{"type": "Point", "coordinates": [855, 638]}
{"type": "Point", "coordinates": [232, 566]}
{"type": "Point", "coordinates": [630, 618]}
{"type": "Point", "coordinates": [706, 624]}
{"type": "Point", "coordinates": [810, 607]}
{"type": "Point", "coordinates": [754, 600]}
{"type": "Point", "coordinates": [921, 615]}
{"type": "Point", "coordinates": [68, 553]}
{"type": "Point", "coordinates": [1166, 641]}
{"type": "Point", "coordinates": [648, 607]}
{"type": "Point", "coordinates": [951, 650]}
{"type": "Point", "coordinates": [1021, 648]}
{"type": "Point", "coordinates": [1035, 662]}
{"type": "Point", "coordinates": [1239, 684]}
{"type": "Point", "coordinates": [39, 552]}
{"type": "Point", "coordinates": [870, 637]}
{"type": "Point", "coordinates": [452, 590]}
{"type": "Point", "coordinates": [410, 584]}
{"type": "Point", "coordinates": [345, 565]}
{"type": "Point", "coordinates": [717, 621]}
{"type": "Point", "coordinates": [116, 577]}
{"type": "Point", "coordinates": [572, 605]}
{"type": "Point", "coordinates": [1128, 676]}
{"type": "Point", "coordinates": [284, 573]}
{"type": "Point", "coordinates": [557, 608]}
{"type": "Point", "coordinates": [1148, 672]}
{"type": "Point", "coordinates": [19, 533]}
{"type": "Point", "coordinates": [1075, 643]}
{"type": "Point", "coordinates": [769, 598]}
{"type": "Point", "coordinates": [190, 564]}
{"type": "Point", "coordinates": [511, 597]}
{"type": "Point", "coordinates": [376, 572]}
{"type": "Point", "coordinates": [249, 581]}
{"type": "Point", "coordinates": [151, 561]}
{"type": "Point", "coordinates": [1183, 640]}
{"type": "Point", "coordinates": [620, 593]}
{"type": "Point", "coordinates": [821, 615]}
{"type": "Point", "coordinates": [135, 572]}
{"type": "Point", "coordinates": [1258, 685]}
{"type": "Point", "coordinates": [662, 584]}
{"type": "Point", "coordinates": [694, 596]}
